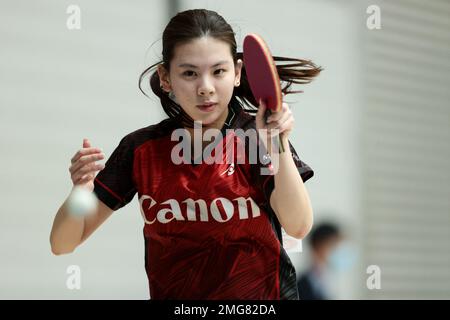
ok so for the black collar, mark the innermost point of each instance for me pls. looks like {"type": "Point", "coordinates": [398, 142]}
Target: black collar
{"type": "Point", "coordinates": [233, 110]}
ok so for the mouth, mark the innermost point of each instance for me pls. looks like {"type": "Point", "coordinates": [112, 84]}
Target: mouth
{"type": "Point", "coordinates": [207, 107]}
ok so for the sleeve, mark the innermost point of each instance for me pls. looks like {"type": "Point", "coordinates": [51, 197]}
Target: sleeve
{"type": "Point", "coordinates": [114, 185]}
{"type": "Point", "coordinates": [267, 182]}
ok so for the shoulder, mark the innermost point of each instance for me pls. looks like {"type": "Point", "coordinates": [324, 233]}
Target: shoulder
{"type": "Point", "coordinates": [155, 131]}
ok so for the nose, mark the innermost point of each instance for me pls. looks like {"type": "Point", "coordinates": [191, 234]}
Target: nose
{"type": "Point", "coordinates": [205, 88]}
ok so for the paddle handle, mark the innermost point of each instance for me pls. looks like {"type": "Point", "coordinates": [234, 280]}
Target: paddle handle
{"type": "Point", "coordinates": [280, 144]}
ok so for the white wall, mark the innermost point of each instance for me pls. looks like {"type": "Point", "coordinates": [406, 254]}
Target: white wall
{"type": "Point", "coordinates": [58, 87]}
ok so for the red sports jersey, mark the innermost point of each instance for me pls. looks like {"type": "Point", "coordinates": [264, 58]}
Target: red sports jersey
{"type": "Point", "coordinates": [209, 230]}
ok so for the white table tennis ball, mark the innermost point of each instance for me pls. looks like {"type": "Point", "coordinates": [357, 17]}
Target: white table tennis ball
{"type": "Point", "coordinates": [81, 202]}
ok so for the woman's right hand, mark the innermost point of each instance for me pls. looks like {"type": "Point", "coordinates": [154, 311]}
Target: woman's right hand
{"type": "Point", "coordinates": [84, 167]}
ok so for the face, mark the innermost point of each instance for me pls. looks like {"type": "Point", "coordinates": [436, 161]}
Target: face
{"type": "Point", "coordinates": [202, 71]}
{"type": "Point", "coordinates": [325, 248]}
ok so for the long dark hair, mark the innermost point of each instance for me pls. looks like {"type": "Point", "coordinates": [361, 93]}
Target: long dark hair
{"type": "Point", "coordinates": [196, 23]}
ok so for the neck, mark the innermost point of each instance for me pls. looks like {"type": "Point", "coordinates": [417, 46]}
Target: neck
{"type": "Point", "coordinates": [218, 124]}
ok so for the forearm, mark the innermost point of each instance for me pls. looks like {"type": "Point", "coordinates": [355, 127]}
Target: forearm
{"type": "Point", "coordinates": [290, 199]}
{"type": "Point", "coordinates": [67, 231]}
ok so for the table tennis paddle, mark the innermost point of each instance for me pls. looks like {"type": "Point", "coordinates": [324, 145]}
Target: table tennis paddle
{"type": "Point", "coordinates": [262, 74]}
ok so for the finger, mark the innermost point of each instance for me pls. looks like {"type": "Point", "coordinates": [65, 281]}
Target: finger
{"type": "Point", "coordinates": [86, 160]}
{"type": "Point", "coordinates": [86, 170]}
{"type": "Point", "coordinates": [273, 125]}
{"type": "Point", "coordinates": [92, 168]}
{"type": "Point", "coordinates": [86, 143]}
{"type": "Point", "coordinates": [277, 123]}
{"type": "Point", "coordinates": [89, 169]}
{"type": "Point", "coordinates": [275, 116]}
{"type": "Point", "coordinates": [260, 114]}
{"type": "Point", "coordinates": [278, 114]}
{"type": "Point", "coordinates": [84, 152]}
{"type": "Point", "coordinates": [287, 125]}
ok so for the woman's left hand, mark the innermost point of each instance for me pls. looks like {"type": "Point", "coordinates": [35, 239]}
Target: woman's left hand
{"type": "Point", "coordinates": [282, 120]}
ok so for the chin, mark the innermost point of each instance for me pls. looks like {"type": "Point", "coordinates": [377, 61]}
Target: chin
{"type": "Point", "coordinates": [208, 119]}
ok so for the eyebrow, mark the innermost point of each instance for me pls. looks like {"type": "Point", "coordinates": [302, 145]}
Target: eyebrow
{"type": "Point", "coordinates": [188, 65]}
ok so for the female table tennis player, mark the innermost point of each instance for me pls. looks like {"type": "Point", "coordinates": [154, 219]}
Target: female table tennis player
{"type": "Point", "coordinates": [212, 231]}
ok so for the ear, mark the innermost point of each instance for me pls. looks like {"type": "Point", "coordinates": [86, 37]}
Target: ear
{"type": "Point", "coordinates": [237, 71]}
{"type": "Point", "coordinates": [164, 78]}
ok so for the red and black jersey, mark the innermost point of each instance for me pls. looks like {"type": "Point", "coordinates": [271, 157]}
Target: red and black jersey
{"type": "Point", "coordinates": [209, 230]}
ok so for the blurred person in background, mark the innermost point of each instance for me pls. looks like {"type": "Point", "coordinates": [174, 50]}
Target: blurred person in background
{"type": "Point", "coordinates": [328, 253]}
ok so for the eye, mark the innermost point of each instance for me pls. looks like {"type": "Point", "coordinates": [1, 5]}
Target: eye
{"type": "Point", "coordinates": [221, 70]}
{"type": "Point", "coordinates": [186, 72]}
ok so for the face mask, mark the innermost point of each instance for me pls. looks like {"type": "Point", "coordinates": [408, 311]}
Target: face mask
{"type": "Point", "coordinates": [342, 258]}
